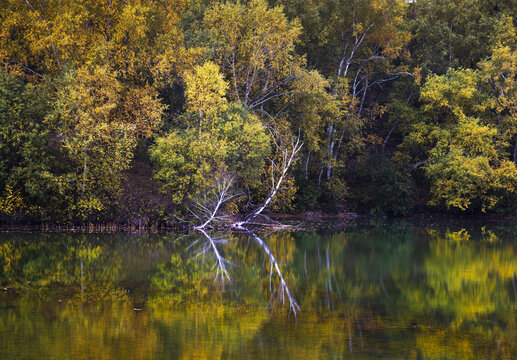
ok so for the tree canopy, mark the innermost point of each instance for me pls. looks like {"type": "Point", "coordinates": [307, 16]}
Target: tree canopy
{"type": "Point", "coordinates": [104, 104]}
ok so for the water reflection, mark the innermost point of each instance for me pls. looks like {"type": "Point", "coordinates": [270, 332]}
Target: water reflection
{"type": "Point", "coordinates": [400, 290]}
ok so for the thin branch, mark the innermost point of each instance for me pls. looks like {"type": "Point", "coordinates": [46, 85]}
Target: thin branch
{"type": "Point", "coordinates": [26, 68]}
{"type": "Point", "coordinates": [223, 188]}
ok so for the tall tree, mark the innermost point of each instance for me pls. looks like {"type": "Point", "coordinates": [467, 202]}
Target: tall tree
{"type": "Point", "coordinates": [254, 45]}
{"type": "Point", "coordinates": [26, 153]}
{"type": "Point", "coordinates": [98, 122]}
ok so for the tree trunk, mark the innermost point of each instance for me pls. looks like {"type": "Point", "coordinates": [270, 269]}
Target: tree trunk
{"type": "Point", "coordinates": [293, 306]}
{"type": "Point", "coordinates": [307, 166]}
{"type": "Point", "coordinates": [85, 168]}
{"type": "Point", "coordinates": [515, 153]}
{"type": "Point", "coordinates": [288, 159]}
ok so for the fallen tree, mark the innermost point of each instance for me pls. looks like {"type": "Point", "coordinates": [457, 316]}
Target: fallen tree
{"type": "Point", "coordinates": [288, 157]}
{"type": "Point", "coordinates": [207, 210]}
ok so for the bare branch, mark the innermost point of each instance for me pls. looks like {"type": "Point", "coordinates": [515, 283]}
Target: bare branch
{"type": "Point", "coordinates": [222, 195]}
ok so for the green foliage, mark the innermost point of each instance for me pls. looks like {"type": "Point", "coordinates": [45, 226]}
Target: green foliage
{"type": "Point", "coordinates": [206, 90]}
{"type": "Point", "coordinates": [308, 194]}
{"type": "Point", "coordinates": [382, 186]}
{"type": "Point", "coordinates": [99, 122]}
{"type": "Point", "coordinates": [26, 153]}
{"type": "Point", "coordinates": [217, 89]}
{"type": "Point", "coordinates": [188, 162]}
{"type": "Point", "coordinates": [181, 280]}
{"type": "Point", "coordinates": [467, 153]}
{"type": "Point", "coordinates": [330, 29]}
{"type": "Point", "coordinates": [254, 45]}
{"type": "Point", "coordinates": [460, 33]}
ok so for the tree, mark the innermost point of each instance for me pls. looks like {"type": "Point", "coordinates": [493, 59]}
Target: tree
{"type": "Point", "coordinates": [254, 45]}
{"type": "Point", "coordinates": [26, 154]}
{"type": "Point", "coordinates": [188, 162]}
{"type": "Point", "coordinates": [453, 34]}
{"type": "Point", "coordinates": [468, 164]}
{"type": "Point", "coordinates": [362, 46]}
{"type": "Point", "coordinates": [206, 90]}
{"type": "Point", "coordinates": [99, 122]}
{"type": "Point", "coordinates": [44, 38]}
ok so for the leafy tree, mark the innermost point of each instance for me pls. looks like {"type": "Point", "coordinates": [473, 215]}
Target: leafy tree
{"type": "Point", "coordinates": [99, 122]}
{"type": "Point", "coordinates": [26, 155]}
{"type": "Point", "coordinates": [206, 90]}
{"type": "Point", "coordinates": [460, 33]}
{"type": "Point", "coordinates": [137, 39]}
{"type": "Point", "coordinates": [468, 162]}
{"type": "Point", "coordinates": [254, 45]}
{"type": "Point", "coordinates": [108, 63]}
{"type": "Point", "coordinates": [361, 45]}
{"type": "Point", "coordinates": [188, 162]}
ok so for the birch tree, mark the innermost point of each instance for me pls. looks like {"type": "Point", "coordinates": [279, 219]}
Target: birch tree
{"type": "Point", "coordinates": [255, 47]}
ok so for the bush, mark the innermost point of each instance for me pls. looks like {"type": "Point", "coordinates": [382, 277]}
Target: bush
{"type": "Point", "coordinates": [307, 195]}
{"type": "Point", "coordinates": [382, 186]}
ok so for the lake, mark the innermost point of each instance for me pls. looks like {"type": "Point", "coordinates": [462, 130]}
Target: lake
{"type": "Point", "coordinates": [349, 289]}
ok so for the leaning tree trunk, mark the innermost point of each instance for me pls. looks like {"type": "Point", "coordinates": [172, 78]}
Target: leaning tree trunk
{"type": "Point", "coordinates": [287, 160]}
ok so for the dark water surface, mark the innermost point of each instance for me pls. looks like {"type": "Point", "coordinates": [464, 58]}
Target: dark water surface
{"type": "Point", "coordinates": [370, 290]}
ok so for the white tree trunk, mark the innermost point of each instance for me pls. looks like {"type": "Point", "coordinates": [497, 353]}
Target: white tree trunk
{"type": "Point", "coordinates": [287, 160]}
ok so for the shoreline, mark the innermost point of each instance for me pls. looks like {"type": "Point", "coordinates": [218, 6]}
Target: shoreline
{"type": "Point", "coordinates": [163, 228]}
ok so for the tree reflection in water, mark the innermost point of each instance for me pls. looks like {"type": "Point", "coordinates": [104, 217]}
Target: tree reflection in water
{"type": "Point", "coordinates": [222, 272]}
{"type": "Point", "coordinates": [400, 290]}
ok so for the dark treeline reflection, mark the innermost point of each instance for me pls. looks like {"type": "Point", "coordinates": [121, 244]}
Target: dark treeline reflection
{"type": "Point", "coordinates": [445, 291]}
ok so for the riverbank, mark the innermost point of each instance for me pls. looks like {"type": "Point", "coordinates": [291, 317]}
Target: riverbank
{"type": "Point", "coordinates": [295, 221]}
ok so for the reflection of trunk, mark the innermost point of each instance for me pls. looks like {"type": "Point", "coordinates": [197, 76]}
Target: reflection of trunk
{"type": "Point", "coordinates": [293, 306]}
{"type": "Point", "coordinates": [328, 269]}
{"type": "Point", "coordinates": [82, 279]}
{"type": "Point", "coordinates": [360, 331]}
{"type": "Point", "coordinates": [385, 292]}
{"type": "Point", "coordinates": [305, 266]}
{"type": "Point", "coordinates": [220, 261]}
{"type": "Point", "coordinates": [349, 337]}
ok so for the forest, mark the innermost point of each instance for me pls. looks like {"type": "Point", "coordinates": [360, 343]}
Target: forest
{"type": "Point", "coordinates": [199, 111]}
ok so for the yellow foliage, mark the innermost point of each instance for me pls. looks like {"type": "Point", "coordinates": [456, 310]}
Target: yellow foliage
{"type": "Point", "coordinates": [206, 90]}
{"type": "Point", "coordinates": [11, 202]}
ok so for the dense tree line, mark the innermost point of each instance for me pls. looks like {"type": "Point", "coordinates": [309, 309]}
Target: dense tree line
{"type": "Point", "coordinates": [123, 110]}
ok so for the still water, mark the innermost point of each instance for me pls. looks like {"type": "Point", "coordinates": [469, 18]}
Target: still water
{"type": "Point", "coordinates": [361, 290]}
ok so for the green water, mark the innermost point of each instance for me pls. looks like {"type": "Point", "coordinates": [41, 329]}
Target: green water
{"type": "Point", "coordinates": [365, 290]}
